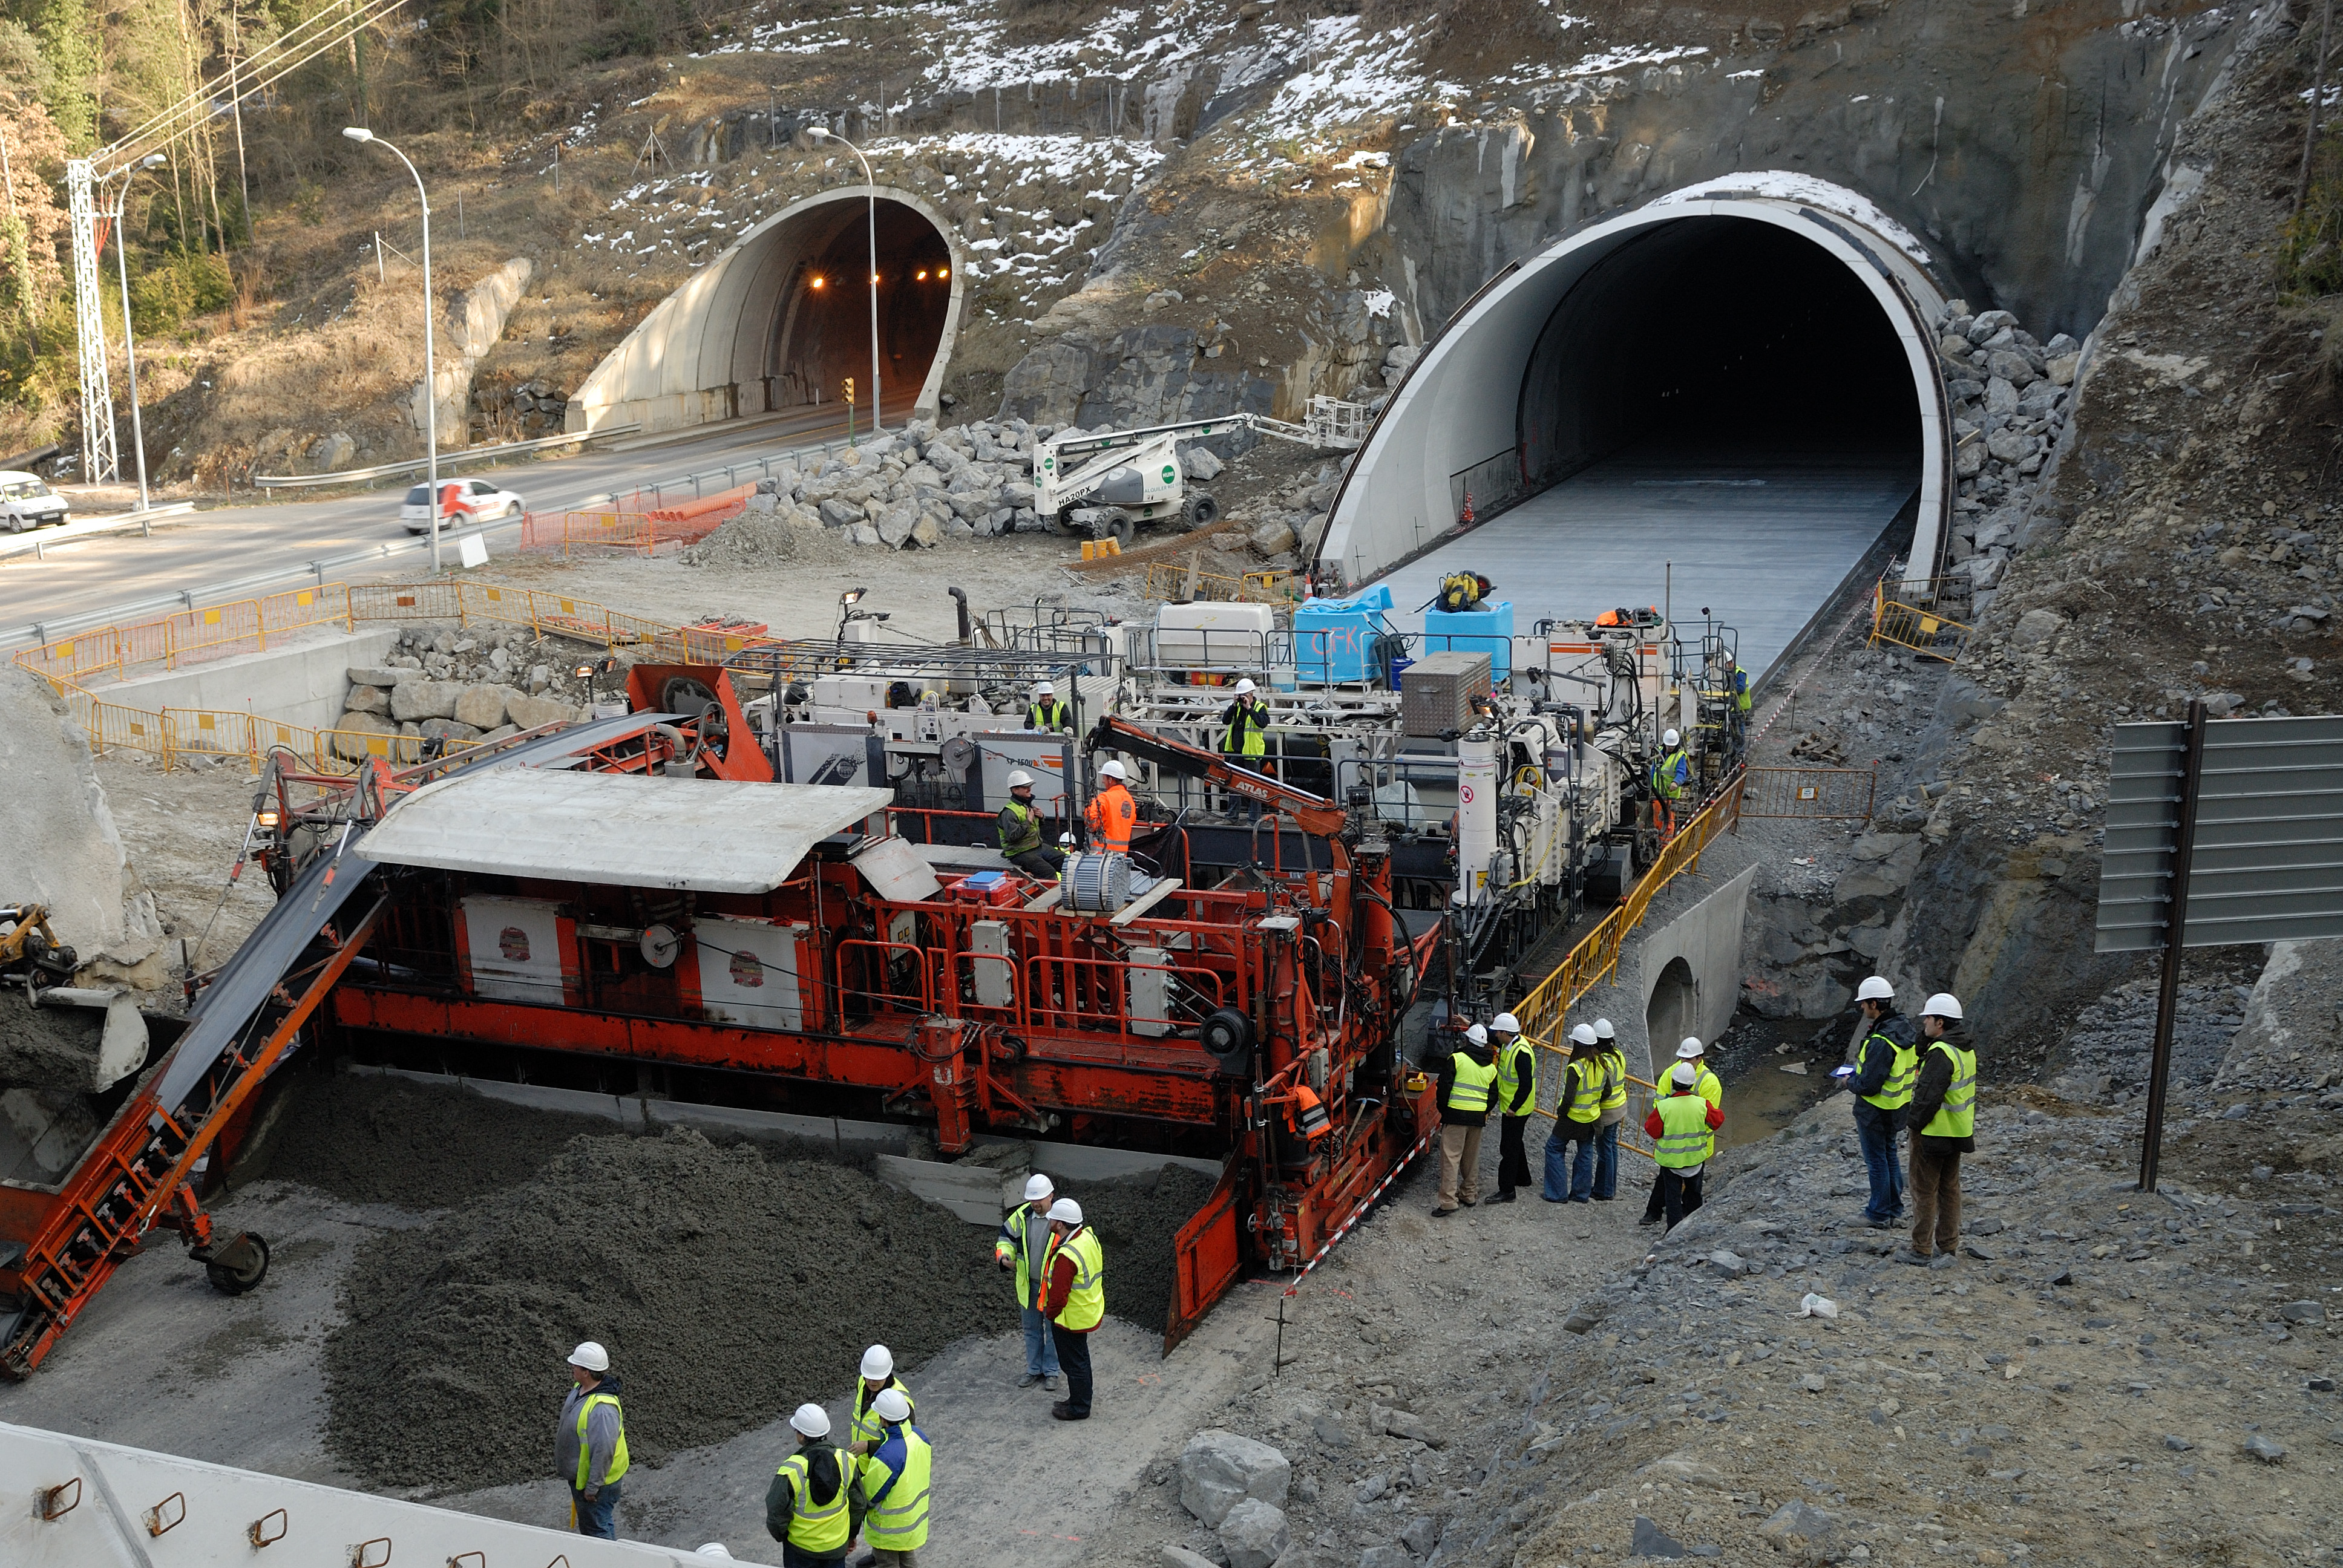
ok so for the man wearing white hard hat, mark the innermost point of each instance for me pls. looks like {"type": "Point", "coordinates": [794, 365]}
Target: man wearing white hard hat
{"type": "Point", "coordinates": [589, 1440]}
{"type": "Point", "coordinates": [1246, 740]}
{"type": "Point", "coordinates": [1691, 1053]}
{"type": "Point", "coordinates": [1023, 1243]}
{"type": "Point", "coordinates": [1468, 1083]}
{"type": "Point", "coordinates": [1614, 1113]}
{"type": "Point", "coordinates": [1111, 813]}
{"type": "Point", "coordinates": [878, 1376]}
{"type": "Point", "coordinates": [1943, 1120]}
{"type": "Point", "coordinates": [1578, 1122]}
{"type": "Point", "coordinates": [1072, 1294]}
{"type": "Point", "coordinates": [1048, 712]}
{"type": "Point", "coordinates": [809, 1506]}
{"type": "Point", "coordinates": [1682, 1126]}
{"type": "Point", "coordinates": [1885, 1063]}
{"type": "Point", "coordinates": [1020, 828]}
{"type": "Point", "coordinates": [1516, 1103]}
{"type": "Point", "coordinates": [1670, 778]}
{"type": "Point", "coordinates": [890, 1487]}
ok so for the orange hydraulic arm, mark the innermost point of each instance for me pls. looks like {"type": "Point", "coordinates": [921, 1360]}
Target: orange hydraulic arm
{"type": "Point", "coordinates": [1314, 814]}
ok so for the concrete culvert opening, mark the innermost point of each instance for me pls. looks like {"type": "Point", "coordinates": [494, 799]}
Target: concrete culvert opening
{"type": "Point", "coordinates": [1672, 1014]}
{"type": "Point", "coordinates": [1718, 344]}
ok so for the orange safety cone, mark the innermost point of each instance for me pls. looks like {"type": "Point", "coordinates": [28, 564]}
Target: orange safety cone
{"type": "Point", "coordinates": [1467, 518]}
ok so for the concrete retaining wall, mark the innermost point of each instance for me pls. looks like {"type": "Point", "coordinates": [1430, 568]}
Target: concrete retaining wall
{"type": "Point", "coordinates": [304, 684]}
{"type": "Point", "coordinates": [1706, 935]}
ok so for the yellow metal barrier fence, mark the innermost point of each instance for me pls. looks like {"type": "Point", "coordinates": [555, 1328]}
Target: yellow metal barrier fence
{"type": "Point", "coordinates": [1913, 618]}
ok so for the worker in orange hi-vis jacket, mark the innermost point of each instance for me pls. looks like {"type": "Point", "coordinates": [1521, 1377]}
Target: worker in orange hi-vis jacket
{"type": "Point", "coordinates": [1111, 813]}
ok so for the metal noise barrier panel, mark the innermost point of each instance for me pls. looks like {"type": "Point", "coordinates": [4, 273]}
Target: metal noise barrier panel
{"type": "Point", "coordinates": [2268, 860]}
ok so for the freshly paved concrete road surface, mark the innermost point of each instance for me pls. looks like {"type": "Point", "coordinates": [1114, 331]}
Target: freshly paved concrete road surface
{"type": "Point", "coordinates": [1762, 539]}
{"type": "Point", "coordinates": [191, 553]}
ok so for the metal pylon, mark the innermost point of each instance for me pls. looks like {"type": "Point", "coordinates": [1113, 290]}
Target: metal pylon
{"type": "Point", "coordinates": [101, 458]}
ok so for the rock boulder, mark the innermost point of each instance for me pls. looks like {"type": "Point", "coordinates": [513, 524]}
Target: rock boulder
{"type": "Point", "coordinates": [412, 701]}
{"type": "Point", "coordinates": [1218, 1470]}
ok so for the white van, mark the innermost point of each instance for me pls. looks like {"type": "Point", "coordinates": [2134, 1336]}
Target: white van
{"type": "Point", "coordinates": [27, 502]}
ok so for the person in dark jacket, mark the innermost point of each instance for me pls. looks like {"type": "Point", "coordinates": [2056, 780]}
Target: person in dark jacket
{"type": "Point", "coordinates": [1885, 1065]}
{"type": "Point", "coordinates": [1468, 1085]}
{"type": "Point", "coordinates": [1516, 1102]}
{"type": "Point", "coordinates": [1942, 1120]}
{"type": "Point", "coordinates": [810, 1506]}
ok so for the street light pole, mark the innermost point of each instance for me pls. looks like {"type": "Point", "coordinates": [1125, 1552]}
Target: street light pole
{"type": "Point", "coordinates": [129, 355]}
{"type": "Point", "coordinates": [871, 185]}
{"type": "Point", "coordinates": [431, 308]}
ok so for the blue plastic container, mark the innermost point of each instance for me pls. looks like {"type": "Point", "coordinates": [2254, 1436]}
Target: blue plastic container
{"type": "Point", "coordinates": [1335, 639]}
{"type": "Point", "coordinates": [1488, 629]}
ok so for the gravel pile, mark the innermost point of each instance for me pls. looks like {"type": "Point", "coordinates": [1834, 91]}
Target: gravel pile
{"type": "Point", "coordinates": [2108, 1057]}
{"type": "Point", "coordinates": [767, 535]}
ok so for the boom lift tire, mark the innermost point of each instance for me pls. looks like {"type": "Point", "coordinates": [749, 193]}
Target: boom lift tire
{"type": "Point", "coordinates": [1198, 510]}
{"type": "Point", "coordinates": [238, 1266]}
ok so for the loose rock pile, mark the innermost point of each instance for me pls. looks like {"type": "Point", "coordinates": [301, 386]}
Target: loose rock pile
{"type": "Point", "coordinates": [2011, 397]}
{"type": "Point", "coordinates": [475, 684]}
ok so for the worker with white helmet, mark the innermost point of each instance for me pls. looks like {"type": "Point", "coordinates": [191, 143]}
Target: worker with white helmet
{"type": "Point", "coordinates": [1516, 1057]}
{"type": "Point", "coordinates": [1614, 1113]}
{"type": "Point", "coordinates": [1023, 1243]}
{"type": "Point", "coordinates": [1690, 1053]}
{"type": "Point", "coordinates": [589, 1440]}
{"type": "Point", "coordinates": [1885, 1063]}
{"type": "Point", "coordinates": [1111, 813]}
{"type": "Point", "coordinates": [1047, 712]}
{"type": "Point", "coordinates": [1246, 740]}
{"type": "Point", "coordinates": [1671, 779]}
{"type": "Point", "coordinates": [890, 1487]}
{"type": "Point", "coordinates": [1071, 1293]}
{"type": "Point", "coordinates": [1943, 1120]}
{"type": "Point", "coordinates": [877, 1372]}
{"type": "Point", "coordinates": [1577, 1122]}
{"type": "Point", "coordinates": [1682, 1126]}
{"type": "Point", "coordinates": [1468, 1082]}
{"type": "Point", "coordinates": [1019, 830]}
{"type": "Point", "coordinates": [809, 1506]}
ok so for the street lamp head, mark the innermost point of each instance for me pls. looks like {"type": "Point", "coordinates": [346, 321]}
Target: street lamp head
{"type": "Point", "coordinates": [818, 133]}
{"type": "Point", "coordinates": [152, 161]}
{"type": "Point", "coordinates": [357, 133]}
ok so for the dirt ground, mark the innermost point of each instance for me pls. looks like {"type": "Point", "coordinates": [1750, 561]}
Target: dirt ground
{"type": "Point", "coordinates": [181, 831]}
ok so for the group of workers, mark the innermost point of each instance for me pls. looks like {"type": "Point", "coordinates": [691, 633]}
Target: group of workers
{"type": "Point", "coordinates": [1921, 1079]}
{"type": "Point", "coordinates": [874, 1486]}
{"type": "Point", "coordinates": [1113, 815]}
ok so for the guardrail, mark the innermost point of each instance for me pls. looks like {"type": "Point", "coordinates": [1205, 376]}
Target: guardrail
{"type": "Point", "coordinates": [39, 541]}
{"type": "Point", "coordinates": [447, 460]}
{"type": "Point", "coordinates": [730, 474]}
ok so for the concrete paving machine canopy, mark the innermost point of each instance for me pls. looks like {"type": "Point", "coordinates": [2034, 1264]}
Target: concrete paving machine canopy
{"type": "Point", "coordinates": [782, 318]}
{"type": "Point", "coordinates": [710, 834]}
{"type": "Point", "coordinates": [1758, 347]}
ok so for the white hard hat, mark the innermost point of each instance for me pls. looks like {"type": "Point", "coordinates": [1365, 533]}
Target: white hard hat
{"type": "Point", "coordinates": [1505, 1021]}
{"type": "Point", "coordinates": [1020, 779]}
{"type": "Point", "coordinates": [1244, 689]}
{"type": "Point", "coordinates": [878, 1361]}
{"type": "Point", "coordinates": [1944, 1004]}
{"type": "Point", "coordinates": [1476, 1035]}
{"type": "Point", "coordinates": [714, 1549]}
{"type": "Point", "coordinates": [1603, 1028]}
{"type": "Point", "coordinates": [1688, 1048]}
{"type": "Point", "coordinates": [1066, 1210]}
{"type": "Point", "coordinates": [1670, 737]}
{"type": "Point", "coordinates": [1874, 990]}
{"type": "Point", "coordinates": [1583, 1034]}
{"type": "Point", "coordinates": [812, 1420]}
{"type": "Point", "coordinates": [1686, 1075]}
{"type": "Point", "coordinates": [591, 1356]}
{"type": "Point", "coordinates": [1043, 688]}
{"type": "Point", "coordinates": [1036, 1187]}
{"type": "Point", "coordinates": [1113, 770]}
{"type": "Point", "coordinates": [891, 1405]}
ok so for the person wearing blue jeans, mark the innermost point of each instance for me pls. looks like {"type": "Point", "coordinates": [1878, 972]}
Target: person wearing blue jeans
{"type": "Point", "coordinates": [1578, 1114]}
{"type": "Point", "coordinates": [589, 1440]}
{"type": "Point", "coordinates": [1887, 1065]}
{"type": "Point", "coordinates": [1614, 1111]}
{"type": "Point", "coordinates": [1023, 1241]}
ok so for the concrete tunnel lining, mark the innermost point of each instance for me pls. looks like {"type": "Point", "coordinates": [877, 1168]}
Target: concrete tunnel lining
{"type": "Point", "coordinates": [1462, 407]}
{"type": "Point", "coordinates": [714, 348]}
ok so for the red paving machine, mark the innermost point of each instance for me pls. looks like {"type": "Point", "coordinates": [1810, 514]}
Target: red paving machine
{"type": "Point", "coordinates": [637, 905]}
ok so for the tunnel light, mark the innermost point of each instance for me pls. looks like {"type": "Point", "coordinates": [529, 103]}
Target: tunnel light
{"type": "Point", "coordinates": [921, 274]}
{"type": "Point", "coordinates": [943, 271]}
{"type": "Point", "coordinates": [818, 282]}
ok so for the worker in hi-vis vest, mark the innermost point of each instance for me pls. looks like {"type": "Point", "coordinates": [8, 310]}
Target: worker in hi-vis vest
{"type": "Point", "coordinates": [891, 1486]}
{"type": "Point", "coordinates": [1885, 1063]}
{"type": "Point", "coordinates": [1943, 1120]}
{"type": "Point", "coordinates": [1683, 1125]}
{"type": "Point", "coordinates": [1671, 777]}
{"type": "Point", "coordinates": [810, 1505]}
{"type": "Point", "coordinates": [1111, 813]}
{"type": "Point", "coordinates": [1072, 1296]}
{"type": "Point", "coordinates": [1020, 826]}
{"type": "Point", "coordinates": [590, 1442]}
{"type": "Point", "coordinates": [1047, 712]}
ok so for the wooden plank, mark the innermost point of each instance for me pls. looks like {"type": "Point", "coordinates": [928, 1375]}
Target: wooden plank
{"type": "Point", "coordinates": [1047, 900]}
{"type": "Point", "coordinates": [1147, 900]}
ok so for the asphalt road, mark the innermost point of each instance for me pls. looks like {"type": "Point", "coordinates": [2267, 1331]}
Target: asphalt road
{"type": "Point", "coordinates": [86, 577]}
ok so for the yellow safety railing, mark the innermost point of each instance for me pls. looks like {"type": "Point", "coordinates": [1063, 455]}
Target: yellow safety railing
{"type": "Point", "coordinates": [1913, 616]}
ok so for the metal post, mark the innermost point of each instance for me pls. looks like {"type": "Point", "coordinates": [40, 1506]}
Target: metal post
{"type": "Point", "coordinates": [129, 357]}
{"type": "Point", "coordinates": [101, 462]}
{"type": "Point", "coordinates": [2167, 993]}
{"type": "Point", "coordinates": [871, 186]}
{"type": "Point", "coordinates": [431, 308]}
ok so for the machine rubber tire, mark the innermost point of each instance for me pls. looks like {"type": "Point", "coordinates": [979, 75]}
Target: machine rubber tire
{"type": "Point", "coordinates": [1198, 510]}
{"type": "Point", "coordinates": [1124, 532]}
{"type": "Point", "coordinates": [230, 1282]}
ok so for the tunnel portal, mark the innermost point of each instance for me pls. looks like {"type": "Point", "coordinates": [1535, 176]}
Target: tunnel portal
{"type": "Point", "coordinates": [781, 321]}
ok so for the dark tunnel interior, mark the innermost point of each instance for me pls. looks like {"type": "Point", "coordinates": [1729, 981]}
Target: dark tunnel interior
{"type": "Point", "coordinates": [822, 332]}
{"type": "Point", "coordinates": [1716, 337]}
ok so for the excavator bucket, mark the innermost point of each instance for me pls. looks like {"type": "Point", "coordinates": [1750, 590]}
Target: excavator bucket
{"type": "Point", "coordinates": [1206, 1256]}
